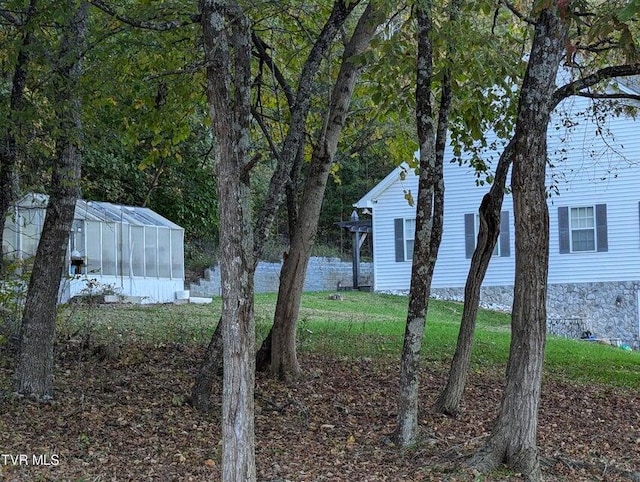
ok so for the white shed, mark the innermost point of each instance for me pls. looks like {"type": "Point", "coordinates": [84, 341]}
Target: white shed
{"type": "Point", "coordinates": [127, 250]}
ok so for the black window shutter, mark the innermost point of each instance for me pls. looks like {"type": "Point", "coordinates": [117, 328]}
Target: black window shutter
{"type": "Point", "coordinates": [601, 227]}
{"type": "Point", "coordinates": [563, 229]}
{"type": "Point", "coordinates": [505, 248]}
{"type": "Point", "coordinates": [399, 237]}
{"type": "Point", "coordinates": [469, 234]}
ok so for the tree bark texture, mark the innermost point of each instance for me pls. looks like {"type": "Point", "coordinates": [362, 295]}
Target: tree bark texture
{"type": "Point", "coordinates": [227, 42]}
{"type": "Point", "coordinates": [448, 401]}
{"type": "Point", "coordinates": [34, 370]}
{"type": "Point", "coordinates": [513, 439]}
{"type": "Point", "coordinates": [291, 148]}
{"type": "Point", "coordinates": [284, 362]}
{"type": "Point", "coordinates": [209, 374]}
{"type": "Point", "coordinates": [293, 190]}
{"type": "Point", "coordinates": [13, 131]}
{"type": "Point", "coordinates": [427, 234]}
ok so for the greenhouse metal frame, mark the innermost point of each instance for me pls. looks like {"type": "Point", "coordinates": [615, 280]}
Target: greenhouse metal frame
{"type": "Point", "coordinates": [126, 250]}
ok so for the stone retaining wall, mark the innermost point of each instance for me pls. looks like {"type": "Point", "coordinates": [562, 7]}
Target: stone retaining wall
{"type": "Point", "coordinates": [323, 274]}
{"type": "Point", "coordinates": [607, 309]}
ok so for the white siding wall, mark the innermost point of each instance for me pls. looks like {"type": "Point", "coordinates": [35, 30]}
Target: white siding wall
{"type": "Point", "coordinates": [389, 275]}
{"type": "Point", "coordinates": [597, 169]}
{"type": "Point", "coordinates": [589, 169]}
{"type": "Point", "coordinates": [463, 196]}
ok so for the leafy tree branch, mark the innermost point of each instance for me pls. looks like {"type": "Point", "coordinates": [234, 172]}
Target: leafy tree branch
{"type": "Point", "coordinates": [606, 73]}
{"type": "Point", "coordinates": [144, 24]}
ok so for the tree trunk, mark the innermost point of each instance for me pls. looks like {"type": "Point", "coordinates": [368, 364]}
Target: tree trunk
{"type": "Point", "coordinates": [429, 219]}
{"type": "Point", "coordinates": [263, 356]}
{"type": "Point", "coordinates": [286, 158]}
{"type": "Point", "coordinates": [294, 186]}
{"type": "Point", "coordinates": [284, 359]}
{"type": "Point", "coordinates": [9, 185]}
{"type": "Point", "coordinates": [284, 362]}
{"type": "Point", "coordinates": [448, 401]}
{"type": "Point", "coordinates": [425, 249]}
{"type": "Point", "coordinates": [227, 43]}
{"type": "Point", "coordinates": [513, 439]}
{"type": "Point", "coordinates": [209, 374]}
{"type": "Point", "coordinates": [34, 371]}
{"type": "Point", "coordinates": [299, 111]}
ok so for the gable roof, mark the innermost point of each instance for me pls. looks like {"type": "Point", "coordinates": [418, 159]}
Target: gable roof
{"type": "Point", "coordinates": [103, 212]}
{"type": "Point", "coordinates": [369, 199]}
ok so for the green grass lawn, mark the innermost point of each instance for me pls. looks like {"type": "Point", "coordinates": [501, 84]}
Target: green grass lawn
{"type": "Point", "coordinates": [362, 324]}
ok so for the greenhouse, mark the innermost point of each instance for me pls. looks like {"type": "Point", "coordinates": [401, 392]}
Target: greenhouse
{"type": "Point", "coordinates": [123, 250]}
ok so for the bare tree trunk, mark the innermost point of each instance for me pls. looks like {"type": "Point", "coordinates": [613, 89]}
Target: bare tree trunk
{"type": "Point", "coordinates": [209, 373]}
{"type": "Point", "coordinates": [227, 41]}
{"type": "Point", "coordinates": [424, 255]}
{"type": "Point", "coordinates": [428, 231]}
{"type": "Point", "coordinates": [513, 439]}
{"type": "Point", "coordinates": [263, 356]}
{"type": "Point", "coordinates": [448, 401]}
{"type": "Point", "coordinates": [284, 362]}
{"type": "Point", "coordinates": [9, 184]}
{"type": "Point", "coordinates": [293, 191]}
{"type": "Point", "coordinates": [34, 371]}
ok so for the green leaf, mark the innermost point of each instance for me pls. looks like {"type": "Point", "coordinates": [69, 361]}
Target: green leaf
{"type": "Point", "coordinates": [409, 197]}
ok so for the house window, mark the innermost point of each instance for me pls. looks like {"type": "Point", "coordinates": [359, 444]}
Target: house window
{"type": "Point", "coordinates": [472, 227]}
{"type": "Point", "coordinates": [583, 229]}
{"type": "Point", "coordinates": [409, 236]}
{"type": "Point", "coordinates": [404, 238]}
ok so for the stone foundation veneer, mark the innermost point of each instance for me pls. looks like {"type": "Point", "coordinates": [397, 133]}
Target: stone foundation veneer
{"type": "Point", "coordinates": [606, 309]}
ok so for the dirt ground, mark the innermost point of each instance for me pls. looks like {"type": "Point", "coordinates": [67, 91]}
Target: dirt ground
{"type": "Point", "coordinates": [125, 418]}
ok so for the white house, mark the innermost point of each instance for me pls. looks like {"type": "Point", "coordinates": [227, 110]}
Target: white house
{"type": "Point", "coordinates": [126, 250]}
{"type": "Point", "coordinates": [594, 207]}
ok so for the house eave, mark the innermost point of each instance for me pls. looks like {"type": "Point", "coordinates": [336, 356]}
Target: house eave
{"type": "Point", "coordinates": [369, 199]}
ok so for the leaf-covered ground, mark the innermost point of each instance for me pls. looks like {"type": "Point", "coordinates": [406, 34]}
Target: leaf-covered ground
{"type": "Point", "coordinates": [124, 417]}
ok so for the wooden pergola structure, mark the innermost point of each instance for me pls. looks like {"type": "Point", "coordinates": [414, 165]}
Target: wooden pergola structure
{"type": "Point", "coordinates": [359, 229]}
